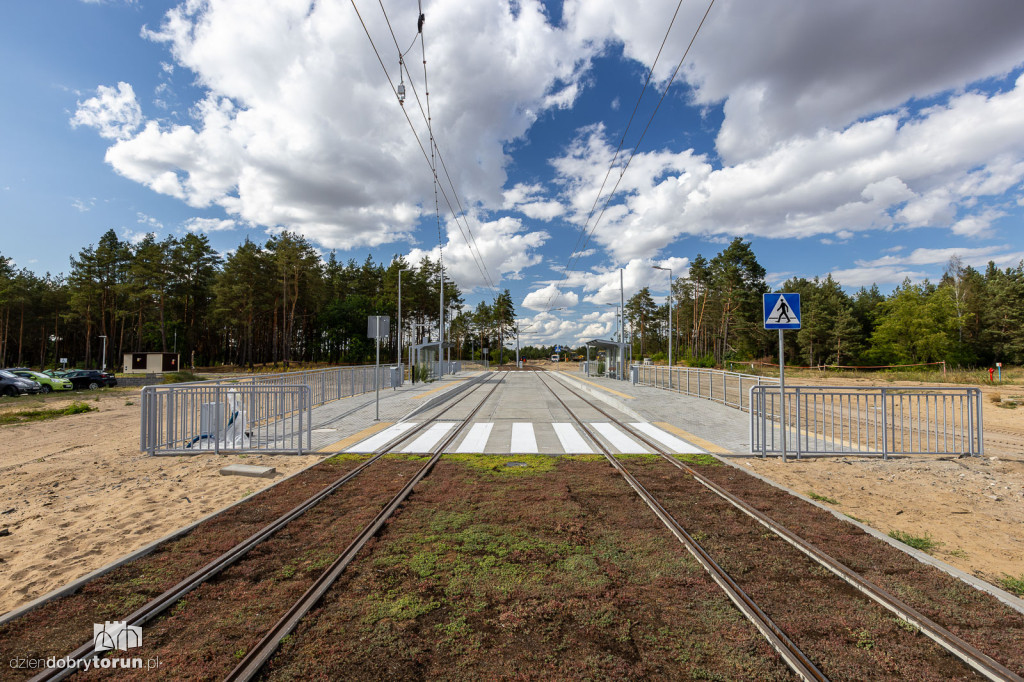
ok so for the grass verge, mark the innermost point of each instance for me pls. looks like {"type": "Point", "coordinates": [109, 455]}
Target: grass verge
{"type": "Point", "coordinates": [1011, 584]}
{"type": "Point", "coordinates": [26, 416]}
{"type": "Point", "coordinates": [822, 498]}
{"type": "Point", "coordinates": [925, 542]}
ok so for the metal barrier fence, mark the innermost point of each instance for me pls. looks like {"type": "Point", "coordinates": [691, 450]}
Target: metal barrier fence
{"type": "Point", "coordinates": [213, 417]}
{"type": "Point", "coordinates": [730, 388]}
{"type": "Point", "coordinates": [173, 415]}
{"type": "Point", "coordinates": [867, 421]}
{"type": "Point", "coordinates": [326, 384]}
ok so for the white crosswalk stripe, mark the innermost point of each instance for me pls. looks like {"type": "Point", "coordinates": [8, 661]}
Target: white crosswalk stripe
{"type": "Point", "coordinates": [620, 441]}
{"type": "Point", "coordinates": [524, 440]}
{"type": "Point", "coordinates": [675, 445]}
{"type": "Point", "coordinates": [378, 440]}
{"type": "Point", "coordinates": [476, 441]}
{"type": "Point", "coordinates": [428, 440]}
{"type": "Point", "coordinates": [571, 439]}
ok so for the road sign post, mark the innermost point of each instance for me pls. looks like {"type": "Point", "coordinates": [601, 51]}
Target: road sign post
{"type": "Point", "coordinates": [782, 311]}
{"type": "Point", "coordinates": [376, 327]}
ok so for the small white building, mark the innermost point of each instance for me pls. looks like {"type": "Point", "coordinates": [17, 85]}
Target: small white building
{"type": "Point", "coordinates": [151, 363]}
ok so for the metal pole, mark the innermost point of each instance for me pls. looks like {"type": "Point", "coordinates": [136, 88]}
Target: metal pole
{"type": "Point", "coordinates": [377, 378]}
{"type": "Point", "coordinates": [622, 303]}
{"type": "Point", "coordinates": [400, 318]}
{"type": "Point", "coordinates": [104, 362]}
{"type": "Point", "coordinates": [782, 393]}
{"type": "Point", "coordinates": [440, 332]}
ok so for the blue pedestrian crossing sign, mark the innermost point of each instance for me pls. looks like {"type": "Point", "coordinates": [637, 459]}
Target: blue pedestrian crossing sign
{"type": "Point", "coordinates": [781, 311]}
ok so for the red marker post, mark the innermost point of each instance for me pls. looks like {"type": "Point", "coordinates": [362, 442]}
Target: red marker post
{"type": "Point", "coordinates": [990, 373]}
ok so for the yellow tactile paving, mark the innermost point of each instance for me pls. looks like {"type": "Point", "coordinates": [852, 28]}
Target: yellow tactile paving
{"type": "Point", "coordinates": [591, 383]}
{"type": "Point", "coordinates": [696, 440]}
{"type": "Point", "coordinates": [434, 390]}
{"type": "Point", "coordinates": [355, 438]}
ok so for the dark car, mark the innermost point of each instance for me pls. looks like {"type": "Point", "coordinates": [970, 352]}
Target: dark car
{"type": "Point", "coordinates": [13, 385]}
{"type": "Point", "coordinates": [90, 378]}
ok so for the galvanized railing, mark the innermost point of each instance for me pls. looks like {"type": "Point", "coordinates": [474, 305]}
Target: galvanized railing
{"type": "Point", "coordinates": [730, 388]}
{"type": "Point", "coordinates": [181, 418]}
{"type": "Point", "coordinates": [866, 421]}
{"type": "Point", "coordinates": [213, 417]}
{"type": "Point", "coordinates": [326, 384]}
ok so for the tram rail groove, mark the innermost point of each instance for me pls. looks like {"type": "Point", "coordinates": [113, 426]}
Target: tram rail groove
{"type": "Point", "coordinates": [254, 659]}
{"type": "Point", "coordinates": [979, 661]}
{"type": "Point", "coordinates": [798, 662]}
{"type": "Point", "coordinates": [161, 603]}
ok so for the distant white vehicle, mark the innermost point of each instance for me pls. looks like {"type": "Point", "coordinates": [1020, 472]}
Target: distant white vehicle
{"type": "Point", "coordinates": [554, 358]}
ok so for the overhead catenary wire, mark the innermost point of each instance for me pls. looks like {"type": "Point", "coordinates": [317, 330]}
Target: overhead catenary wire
{"type": "Point", "coordinates": [577, 251]}
{"type": "Point", "coordinates": [464, 227]}
{"type": "Point", "coordinates": [622, 140]}
{"type": "Point", "coordinates": [423, 151]}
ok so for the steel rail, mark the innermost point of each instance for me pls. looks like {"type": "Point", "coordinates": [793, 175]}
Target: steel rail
{"type": "Point", "coordinates": [798, 662]}
{"type": "Point", "coordinates": [169, 597]}
{"type": "Point", "coordinates": [257, 657]}
{"type": "Point", "coordinates": [969, 654]}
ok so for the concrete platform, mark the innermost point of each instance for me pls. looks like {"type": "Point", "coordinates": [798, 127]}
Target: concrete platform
{"type": "Point", "coordinates": [249, 470]}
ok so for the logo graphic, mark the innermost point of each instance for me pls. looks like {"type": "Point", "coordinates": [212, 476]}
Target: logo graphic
{"type": "Point", "coordinates": [116, 635]}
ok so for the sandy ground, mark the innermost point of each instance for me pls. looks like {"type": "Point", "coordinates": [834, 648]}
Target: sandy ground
{"type": "Point", "coordinates": [75, 493]}
{"type": "Point", "coordinates": [973, 506]}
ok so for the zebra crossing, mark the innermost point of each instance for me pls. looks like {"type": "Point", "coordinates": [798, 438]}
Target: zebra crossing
{"type": "Point", "coordinates": [528, 438]}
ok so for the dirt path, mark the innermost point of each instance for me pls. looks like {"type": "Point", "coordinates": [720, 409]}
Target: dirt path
{"type": "Point", "coordinates": [76, 493]}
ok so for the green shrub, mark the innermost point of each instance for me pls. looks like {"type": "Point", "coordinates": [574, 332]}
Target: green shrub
{"type": "Point", "coordinates": [182, 377]}
{"type": "Point", "coordinates": [924, 543]}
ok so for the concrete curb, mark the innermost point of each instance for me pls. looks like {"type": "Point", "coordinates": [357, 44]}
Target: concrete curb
{"type": "Point", "coordinates": [443, 396]}
{"type": "Point", "coordinates": [1014, 602]}
{"type": "Point", "coordinates": [77, 584]}
{"type": "Point", "coordinates": [603, 397]}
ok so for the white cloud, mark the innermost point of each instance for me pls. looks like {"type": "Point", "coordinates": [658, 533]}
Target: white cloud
{"type": "Point", "coordinates": [550, 297]}
{"type": "Point", "coordinates": [529, 200]}
{"type": "Point", "coordinates": [208, 225]}
{"type": "Point", "coordinates": [820, 65]}
{"type": "Point", "coordinates": [921, 263]}
{"type": "Point", "coordinates": [887, 172]}
{"type": "Point", "coordinates": [149, 221]}
{"type": "Point", "coordinates": [504, 247]}
{"type": "Point", "coordinates": [113, 112]}
{"type": "Point", "coordinates": [133, 237]}
{"type": "Point", "coordinates": [300, 129]}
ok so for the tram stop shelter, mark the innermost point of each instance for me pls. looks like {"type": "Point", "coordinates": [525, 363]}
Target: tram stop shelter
{"type": "Point", "coordinates": [428, 353]}
{"type": "Point", "coordinates": [615, 358]}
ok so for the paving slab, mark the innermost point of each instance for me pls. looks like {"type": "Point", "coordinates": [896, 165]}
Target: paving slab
{"type": "Point", "coordinates": [725, 427]}
{"type": "Point", "coordinates": [248, 470]}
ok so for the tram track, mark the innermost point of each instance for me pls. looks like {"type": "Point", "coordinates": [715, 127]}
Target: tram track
{"type": "Point", "coordinates": [156, 607]}
{"type": "Point", "coordinates": [799, 663]}
{"type": "Point", "coordinates": [256, 657]}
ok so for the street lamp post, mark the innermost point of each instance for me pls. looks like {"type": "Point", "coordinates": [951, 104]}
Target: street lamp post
{"type": "Point", "coordinates": [104, 361]}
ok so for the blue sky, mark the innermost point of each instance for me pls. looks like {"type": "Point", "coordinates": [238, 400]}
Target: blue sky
{"type": "Point", "coordinates": [866, 139]}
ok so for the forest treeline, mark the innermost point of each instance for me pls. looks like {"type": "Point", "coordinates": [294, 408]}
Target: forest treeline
{"type": "Point", "coordinates": [275, 303]}
{"type": "Point", "coordinates": [280, 302]}
{"type": "Point", "coordinates": [967, 318]}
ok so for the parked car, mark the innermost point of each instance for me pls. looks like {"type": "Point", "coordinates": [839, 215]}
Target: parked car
{"type": "Point", "coordinates": [90, 378]}
{"type": "Point", "coordinates": [13, 385]}
{"type": "Point", "coordinates": [47, 382]}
